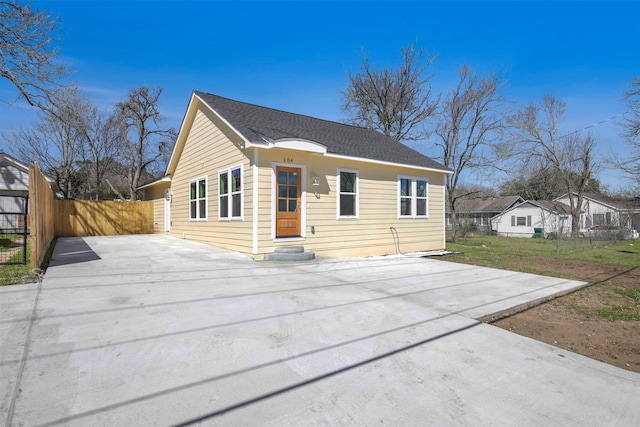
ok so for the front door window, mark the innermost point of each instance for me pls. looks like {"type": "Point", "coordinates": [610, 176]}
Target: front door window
{"type": "Point", "coordinates": [288, 213]}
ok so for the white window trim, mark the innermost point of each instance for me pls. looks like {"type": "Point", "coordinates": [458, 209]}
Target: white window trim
{"type": "Point", "coordinates": [527, 220]}
{"type": "Point", "coordinates": [231, 193]}
{"type": "Point", "coordinates": [414, 197]}
{"type": "Point", "coordinates": [197, 199]}
{"type": "Point", "coordinates": [357, 194]}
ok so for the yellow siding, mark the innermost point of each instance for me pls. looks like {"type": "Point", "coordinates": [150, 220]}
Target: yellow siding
{"type": "Point", "coordinates": [370, 234]}
{"type": "Point", "coordinates": [210, 147]}
{"type": "Point", "coordinates": [156, 195]}
{"type": "Point", "coordinates": [207, 145]}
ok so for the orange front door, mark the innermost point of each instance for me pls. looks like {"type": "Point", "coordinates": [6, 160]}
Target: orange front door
{"type": "Point", "coordinates": [288, 209]}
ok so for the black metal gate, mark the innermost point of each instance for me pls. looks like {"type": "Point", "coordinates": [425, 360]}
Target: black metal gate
{"type": "Point", "coordinates": [14, 229]}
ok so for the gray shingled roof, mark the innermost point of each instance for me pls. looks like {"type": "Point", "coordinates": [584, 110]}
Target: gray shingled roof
{"type": "Point", "coordinates": [632, 203]}
{"type": "Point", "coordinates": [484, 204]}
{"type": "Point", "coordinates": [554, 206]}
{"type": "Point", "coordinates": [252, 121]}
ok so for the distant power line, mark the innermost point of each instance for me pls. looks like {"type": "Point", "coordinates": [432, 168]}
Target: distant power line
{"type": "Point", "coordinates": [595, 124]}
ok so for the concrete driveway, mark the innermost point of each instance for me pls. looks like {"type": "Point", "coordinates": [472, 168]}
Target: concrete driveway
{"type": "Point", "coordinates": [152, 330]}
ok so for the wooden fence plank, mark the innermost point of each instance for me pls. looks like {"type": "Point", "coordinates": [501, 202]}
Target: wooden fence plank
{"type": "Point", "coordinates": [77, 218]}
{"type": "Point", "coordinates": [41, 213]}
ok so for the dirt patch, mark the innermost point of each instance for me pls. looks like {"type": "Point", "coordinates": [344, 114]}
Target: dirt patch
{"type": "Point", "coordinates": [578, 322]}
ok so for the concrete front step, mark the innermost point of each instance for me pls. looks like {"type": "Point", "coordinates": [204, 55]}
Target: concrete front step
{"type": "Point", "coordinates": [289, 253]}
{"type": "Point", "coordinates": [289, 250]}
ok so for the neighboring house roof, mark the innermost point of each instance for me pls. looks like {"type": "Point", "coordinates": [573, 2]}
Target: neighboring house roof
{"type": "Point", "coordinates": [14, 175]}
{"type": "Point", "coordinates": [553, 206]}
{"type": "Point", "coordinates": [629, 204]}
{"type": "Point", "coordinates": [549, 205]}
{"type": "Point", "coordinates": [4, 157]}
{"type": "Point", "coordinates": [485, 204]}
{"type": "Point", "coordinates": [260, 126]}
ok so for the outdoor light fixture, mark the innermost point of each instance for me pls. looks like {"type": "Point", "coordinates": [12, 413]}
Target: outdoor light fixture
{"type": "Point", "coordinates": [315, 181]}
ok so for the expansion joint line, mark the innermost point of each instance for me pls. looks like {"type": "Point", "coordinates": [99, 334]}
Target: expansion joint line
{"type": "Point", "coordinates": [23, 360]}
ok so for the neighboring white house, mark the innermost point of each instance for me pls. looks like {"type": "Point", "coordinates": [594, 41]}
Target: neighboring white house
{"type": "Point", "coordinates": [14, 176]}
{"type": "Point", "coordinates": [523, 219]}
{"type": "Point", "coordinates": [602, 212]}
{"type": "Point", "coordinates": [479, 211]}
{"type": "Point", "coordinates": [14, 187]}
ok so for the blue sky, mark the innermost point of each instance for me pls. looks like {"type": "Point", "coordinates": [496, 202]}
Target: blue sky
{"type": "Point", "coordinates": [294, 55]}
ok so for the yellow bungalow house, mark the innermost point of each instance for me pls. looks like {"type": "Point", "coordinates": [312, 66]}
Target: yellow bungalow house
{"type": "Point", "coordinates": [253, 179]}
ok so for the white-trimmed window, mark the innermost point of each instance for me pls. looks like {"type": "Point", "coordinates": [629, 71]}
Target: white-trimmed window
{"type": "Point", "coordinates": [602, 219]}
{"type": "Point", "coordinates": [198, 199]}
{"type": "Point", "coordinates": [521, 221]}
{"type": "Point", "coordinates": [412, 197]}
{"type": "Point", "coordinates": [347, 193]}
{"type": "Point", "coordinates": [230, 193]}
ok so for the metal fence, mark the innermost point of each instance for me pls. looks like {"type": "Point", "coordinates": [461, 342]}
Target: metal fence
{"type": "Point", "coordinates": [14, 229]}
{"type": "Point", "coordinates": [593, 238]}
{"type": "Point", "coordinates": [554, 242]}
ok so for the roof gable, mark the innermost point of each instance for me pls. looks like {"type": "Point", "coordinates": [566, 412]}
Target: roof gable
{"type": "Point", "coordinates": [554, 206]}
{"type": "Point", "coordinates": [5, 158]}
{"type": "Point", "coordinates": [549, 205]}
{"type": "Point", "coordinates": [261, 126]}
{"type": "Point", "coordinates": [631, 204]}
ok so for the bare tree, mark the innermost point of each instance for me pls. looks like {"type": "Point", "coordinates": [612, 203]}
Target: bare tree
{"type": "Point", "coordinates": [468, 131]}
{"type": "Point", "coordinates": [142, 141]}
{"type": "Point", "coordinates": [100, 133]}
{"type": "Point", "coordinates": [539, 181]}
{"type": "Point", "coordinates": [570, 155]}
{"type": "Point", "coordinates": [395, 101]}
{"type": "Point", "coordinates": [630, 164]}
{"type": "Point", "coordinates": [28, 52]}
{"type": "Point", "coordinates": [55, 141]}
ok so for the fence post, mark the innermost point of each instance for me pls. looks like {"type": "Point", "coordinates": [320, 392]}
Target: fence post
{"type": "Point", "coordinates": [24, 230]}
{"type": "Point", "coordinates": [41, 198]}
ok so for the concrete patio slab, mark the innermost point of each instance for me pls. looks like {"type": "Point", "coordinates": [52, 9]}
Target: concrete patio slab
{"type": "Point", "coordinates": [152, 330]}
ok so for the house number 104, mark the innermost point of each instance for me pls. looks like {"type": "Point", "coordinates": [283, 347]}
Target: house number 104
{"type": "Point", "coordinates": [288, 160]}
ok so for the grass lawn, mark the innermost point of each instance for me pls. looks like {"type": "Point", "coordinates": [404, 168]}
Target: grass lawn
{"type": "Point", "coordinates": [601, 321]}
{"type": "Point", "coordinates": [596, 265]}
{"type": "Point", "coordinates": [509, 252]}
{"type": "Point", "coordinates": [16, 273]}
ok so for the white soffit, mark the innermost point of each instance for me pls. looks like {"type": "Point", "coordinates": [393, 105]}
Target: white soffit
{"type": "Point", "coordinates": [293, 144]}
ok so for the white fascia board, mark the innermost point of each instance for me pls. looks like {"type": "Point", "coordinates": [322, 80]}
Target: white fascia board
{"type": "Point", "coordinates": [300, 145]}
{"type": "Point", "coordinates": [15, 162]}
{"type": "Point", "coordinates": [291, 144]}
{"type": "Point", "coordinates": [263, 145]}
{"type": "Point", "coordinates": [380, 162]}
{"type": "Point", "coordinates": [166, 178]}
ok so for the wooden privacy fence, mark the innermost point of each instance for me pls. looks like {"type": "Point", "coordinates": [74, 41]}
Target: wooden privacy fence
{"type": "Point", "coordinates": [40, 215]}
{"type": "Point", "coordinates": [102, 218]}
{"type": "Point", "coordinates": [49, 217]}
